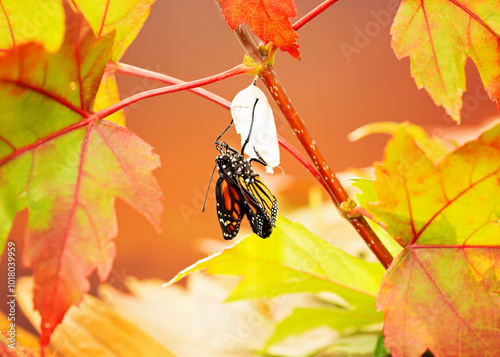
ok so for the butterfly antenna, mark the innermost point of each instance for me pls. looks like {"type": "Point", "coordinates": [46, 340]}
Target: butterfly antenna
{"type": "Point", "coordinates": [208, 188]}
{"type": "Point", "coordinates": [217, 140]}
{"type": "Point", "coordinates": [251, 126]}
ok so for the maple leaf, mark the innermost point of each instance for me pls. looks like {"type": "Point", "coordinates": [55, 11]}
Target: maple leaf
{"type": "Point", "coordinates": [44, 22]}
{"type": "Point", "coordinates": [31, 21]}
{"type": "Point", "coordinates": [66, 166]}
{"type": "Point", "coordinates": [27, 21]}
{"type": "Point", "coordinates": [441, 291]}
{"type": "Point", "coordinates": [268, 19]}
{"type": "Point", "coordinates": [439, 36]}
{"type": "Point", "coordinates": [123, 18]}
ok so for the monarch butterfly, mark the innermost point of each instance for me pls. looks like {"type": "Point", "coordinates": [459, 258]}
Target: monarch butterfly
{"type": "Point", "coordinates": [240, 191]}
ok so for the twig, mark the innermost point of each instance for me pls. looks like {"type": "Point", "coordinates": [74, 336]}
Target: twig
{"type": "Point", "coordinates": [335, 188]}
{"type": "Point", "coordinates": [313, 13]}
{"type": "Point", "coordinates": [144, 73]}
{"type": "Point", "coordinates": [240, 69]}
{"type": "Point", "coordinates": [124, 68]}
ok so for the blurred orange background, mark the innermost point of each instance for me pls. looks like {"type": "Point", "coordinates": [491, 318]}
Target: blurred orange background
{"type": "Point", "coordinates": [348, 76]}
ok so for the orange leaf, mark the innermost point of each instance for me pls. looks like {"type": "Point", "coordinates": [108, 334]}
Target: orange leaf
{"type": "Point", "coordinates": [268, 19]}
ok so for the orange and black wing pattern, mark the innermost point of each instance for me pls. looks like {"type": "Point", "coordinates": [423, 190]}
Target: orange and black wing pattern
{"type": "Point", "coordinates": [230, 207]}
{"type": "Point", "coordinates": [262, 206]}
{"type": "Point", "coordinates": [240, 191]}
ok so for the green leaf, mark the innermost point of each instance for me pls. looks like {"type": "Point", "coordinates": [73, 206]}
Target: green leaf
{"type": "Point", "coordinates": [368, 194]}
{"type": "Point", "coordinates": [23, 21]}
{"type": "Point", "coordinates": [292, 260]}
{"type": "Point", "coordinates": [302, 320]}
{"type": "Point", "coordinates": [42, 22]}
{"type": "Point", "coordinates": [380, 350]}
{"type": "Point", "coordinates": [439, 36]}
{"type": "Point", "coordinates": [295, 260]}
{"type": "Point", "coordinates": [433, 147]}
{"type": "Point", "coordinates": [108, 95]}
{"type": "Point", "coordinates": [446, 215]}
{"type": "Point", "coordinates": [417, 199]}
{"type": "Point", "coordinates": [124, 18]}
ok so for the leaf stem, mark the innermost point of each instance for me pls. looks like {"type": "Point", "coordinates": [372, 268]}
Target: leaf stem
{"type": "Point", "coordinates": [330, 180]}
{"type": "Point", "coordinates": [127, 69]}
{"type": "Point", "coordinates": [240, 69]}
{"type": "Point", "coordinates": [313, 13]}
{"type": "Point", "coordinates": [144, 73]}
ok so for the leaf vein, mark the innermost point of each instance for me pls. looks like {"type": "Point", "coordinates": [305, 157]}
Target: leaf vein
{"type": "Point", "coordinates": [447, 302]}
{"type": "Point", "coordinates": [8, 24]}
{"type": "Point", "coordinates": [472, 185]}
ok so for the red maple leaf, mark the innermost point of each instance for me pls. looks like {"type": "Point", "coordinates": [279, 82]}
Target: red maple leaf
{"type": "Point", "coordinates": [268, 19]}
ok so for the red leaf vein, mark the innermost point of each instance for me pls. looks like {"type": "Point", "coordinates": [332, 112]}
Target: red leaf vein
{"type": "Point", "coordinates": [472, 185]}
{"type": "Point", "coordinates": [49, 95]}
{"type": "Point", "coordinates": [54, 135]}
{"type": "Point", "coordinates": [408, 199]}
{"type": "Point", "coordinates": [475, 17]}
{"type": "Point", "coordinates": [9, 144]}
{"type": "Point", "coordinates": [9, 25]}
{"type": "Point", "coordinates": [447, 302]}
{"type": "Point", "coordinates": [74, 206]}
{"type": "Point", "coordinates": [103, 18]}
{"type": "Point", "coordinates": [118, 159]}
{"type": "Point", "coordinates": [438, 69]}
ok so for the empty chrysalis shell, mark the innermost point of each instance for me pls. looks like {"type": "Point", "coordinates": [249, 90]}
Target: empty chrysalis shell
{"type": "Point", "coordinates": [263, 139]}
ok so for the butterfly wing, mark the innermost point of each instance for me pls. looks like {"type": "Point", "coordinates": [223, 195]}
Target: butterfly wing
{"type": "Point", "coordinates": [262, 206]}
{"type": "Point", "coordinates": [230, 207]}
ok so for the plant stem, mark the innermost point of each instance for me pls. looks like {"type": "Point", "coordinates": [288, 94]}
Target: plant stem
{"type": "Point", "coordinates": [335, 188]}
{"type": "Point", "coordinates": [144, 73]}
{"type": "Point", "coordinates": [124, 68]}
{"type": "Point", "coordinates": [240, 69]}
{"type": "Point", "coordinates": [313, 13]}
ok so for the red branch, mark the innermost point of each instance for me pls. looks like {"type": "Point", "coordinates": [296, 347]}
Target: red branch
{"type": "Point", "coordinates": [123, 68]}
{"type": "Point", "coordinates": [88, 117]}
{"type": "Point", "coordinates": [312, 14]}
{"type": "Point", "coordinates": [144, 73]}
{"type": "Point", "coordinates": [240, 69]}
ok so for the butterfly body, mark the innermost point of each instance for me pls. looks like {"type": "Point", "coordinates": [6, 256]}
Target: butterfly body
{"type": "Point", "coordinates": [239, 192]}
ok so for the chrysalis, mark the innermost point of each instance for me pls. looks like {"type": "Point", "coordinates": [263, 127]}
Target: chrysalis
{"type": "Point", "coordinates": [263, 142]}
